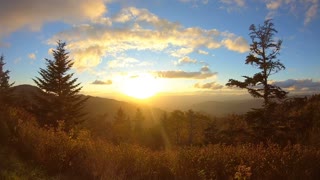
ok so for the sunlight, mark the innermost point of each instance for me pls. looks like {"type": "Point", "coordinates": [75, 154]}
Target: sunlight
{"type": "Point", "coordinates": [141, 86]}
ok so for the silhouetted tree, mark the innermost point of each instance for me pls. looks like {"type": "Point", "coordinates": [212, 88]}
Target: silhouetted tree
{"type": "Point", "coordinates": [121, 127]}
{"type": "Point", "coordinates": [263, 54]}
{"type": "Point", "coordinates": [60, 99]}
{"type": "Point", "coordinates": [5, 87]}
{"type": "Point", "coordinates": [138, 121]}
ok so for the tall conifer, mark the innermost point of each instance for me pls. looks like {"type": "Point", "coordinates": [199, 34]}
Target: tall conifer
{"type": "Point", "coordinates": [5, 87]}
{"type": "Point", "coordinates": [60, 99]}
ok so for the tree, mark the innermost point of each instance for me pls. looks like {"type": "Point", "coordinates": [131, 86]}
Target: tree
{"type": "Point", "coordinates": [121, 128]}
{"type": "Point", "coordinates": [5, 87]}
{"type": "Point", "coordinates": [60, 99]}
{"type": "Point", "coordinates": [263, 54]}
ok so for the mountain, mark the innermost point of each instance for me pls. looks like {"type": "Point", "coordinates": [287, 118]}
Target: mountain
{"type": "Point", "coordinates": [105, 108]}
{"type": "Point", "coordinates": [95, 107]}
{"type": "Point", "coordinates": [221, 108]}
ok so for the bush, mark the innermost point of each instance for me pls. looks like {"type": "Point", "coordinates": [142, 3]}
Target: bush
{"type": "Point", "coordinates": [76, 154]}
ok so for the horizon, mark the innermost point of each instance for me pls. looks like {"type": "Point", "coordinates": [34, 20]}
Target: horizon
{"type": "Point", "coordinates": [170, 102]}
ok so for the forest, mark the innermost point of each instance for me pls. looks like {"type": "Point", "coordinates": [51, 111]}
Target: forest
{"type": "Point", "coordinates": [54, 135]}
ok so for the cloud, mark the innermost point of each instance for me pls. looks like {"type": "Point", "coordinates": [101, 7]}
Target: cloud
{"type": "Point", "coordinates": [299, 85]}
{"type": "Point", "coordinates": [86, 58]}
{"type": "Point", "coordinates": [238, 44]}
{"type": "Point", "coordinates": [303, 8]}
{"type": "Point", "coordinates": [195, 2]}
{"type": "Point", "coordinates": [122, 62]}
{"type": "Point", "coordinates": [307, 7]}
{"type": "Point", "coordinates": [185, 60]}
{"type": "Point", "coordinates": [273, 5]}
{"type": "Point", "coordinates": [99, 82]}
{"type": "Point", "coordinates": [239, 3]}
{"type": "Point", "coordinates": [32, 56]}
{"type": "Point", "coordinates": [181, 52]}
{"type": "Point", "coordinates": [312, 11]}
{"type": "Point", "coordinates": [203, 52]}
{"type": "Point", "coordinates": [32, 14]}
{"type": "Point", "coordinates": [211, 85]}
{"type": "Point", "coordinates": [138, 29]}
{"type": "Point", "coordinates": [186, 75]}
{"type": "Point", "coordinates": [50, 51]}
{"type": "Point", "coordinates": [205, 69]}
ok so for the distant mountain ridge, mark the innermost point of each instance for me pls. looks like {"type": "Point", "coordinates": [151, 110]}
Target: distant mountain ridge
{"type": "Point", "coordinates": [100, 106]}
{"type": "Point", "coordinates": [95, 106]}
{"type": "Point", "coordinates": [221, 108]}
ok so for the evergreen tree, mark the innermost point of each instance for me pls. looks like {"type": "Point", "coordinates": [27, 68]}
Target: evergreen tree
{"type": "Point", "coordinates": [60, 99]}
{"type": "Point", "coordinates": [263, 54]}
{"type": "Point", "coordinates": [121, 127]}
{"type": "Point", "coordinates": [264, 50]}
{"type": "Point", "coordinates": [5, 87]}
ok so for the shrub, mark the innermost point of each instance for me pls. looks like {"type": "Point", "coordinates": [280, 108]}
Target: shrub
{"type": "Point", "coordinates": [77, 154]}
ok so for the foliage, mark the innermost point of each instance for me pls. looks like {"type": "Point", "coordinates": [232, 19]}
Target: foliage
{"type": "Point", "coordinates": [121, 128]}
{"type": "Point", "coordinates": [185, 128]}
{"type": "Point", "coordinates": [263, 54]}
{"type": "Point", "coordinates": [5, 86]}
{"type": "Point", "coordinates": [75, 154]}
{"type": "Point", "coordinates": [232, 129]}
{"type": "Point", "coordinates": [60, 99]}
{"type": "Point", "coordinates": [14, 168]}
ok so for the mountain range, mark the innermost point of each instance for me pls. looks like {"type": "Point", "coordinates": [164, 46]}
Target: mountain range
{"type": "Point", "coordinates": [107, 108]}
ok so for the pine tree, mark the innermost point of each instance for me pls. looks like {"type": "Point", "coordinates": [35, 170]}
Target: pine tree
{"type": "Point", "coordinates": [60, 99]}
{"type": "Point", "coordinates": [5, 87]}
{"type": "Point", "coordinates": [264, 50]}
{"type": "Point", "coordinates": [263, 54]}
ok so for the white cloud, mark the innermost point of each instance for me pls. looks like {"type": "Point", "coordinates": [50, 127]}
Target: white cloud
{"type": "Point", "coordinates": [273, 5]}
{"type": "Point", "coordinates": [238, 44]}
{"type": "Point", "coordinates": [299, 85]}
{"type": "Point", "coordinates": [303, 8]}
{"type": "Point", "coordinates": [181, 52]}
{"type": "Point", "coordinates": [307, 7]}
{"type": "Point", "coordinates": [185, 60]}
{"type": "Point", "coordinates": [50, 51]}
{"type": "Point", "coordinates": [203, 52]}
{"type": "Point", "coordinates": [122, 62]}
{"type": "Point", "coordinates": [138, 29]}
{"type": "Point", "coordinates": [312, 11]}
{"type": "Point", "coordinates": [32, 14]}
{"type": "Point", "coordinates": [32, 56]}
{"type": "Point", "coordinates": [86, 58]}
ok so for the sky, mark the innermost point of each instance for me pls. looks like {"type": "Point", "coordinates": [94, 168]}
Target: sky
{"type": "Point", "coordinates": [144, 47]}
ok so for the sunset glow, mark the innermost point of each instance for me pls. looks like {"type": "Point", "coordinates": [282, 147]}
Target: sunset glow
{"type": "Point", "coordinates": [141, 86]}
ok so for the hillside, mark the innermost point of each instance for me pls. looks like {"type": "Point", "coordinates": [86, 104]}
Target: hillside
{"type": "Point", "coordinates": [96, 107]}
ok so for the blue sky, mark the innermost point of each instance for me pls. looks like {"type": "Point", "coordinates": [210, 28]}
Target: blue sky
{"type": "Point", "coordinates": [173, 46]}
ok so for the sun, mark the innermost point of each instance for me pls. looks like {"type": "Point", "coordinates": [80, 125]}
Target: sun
{"type": "Point", "coordinates": [141, 86]}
